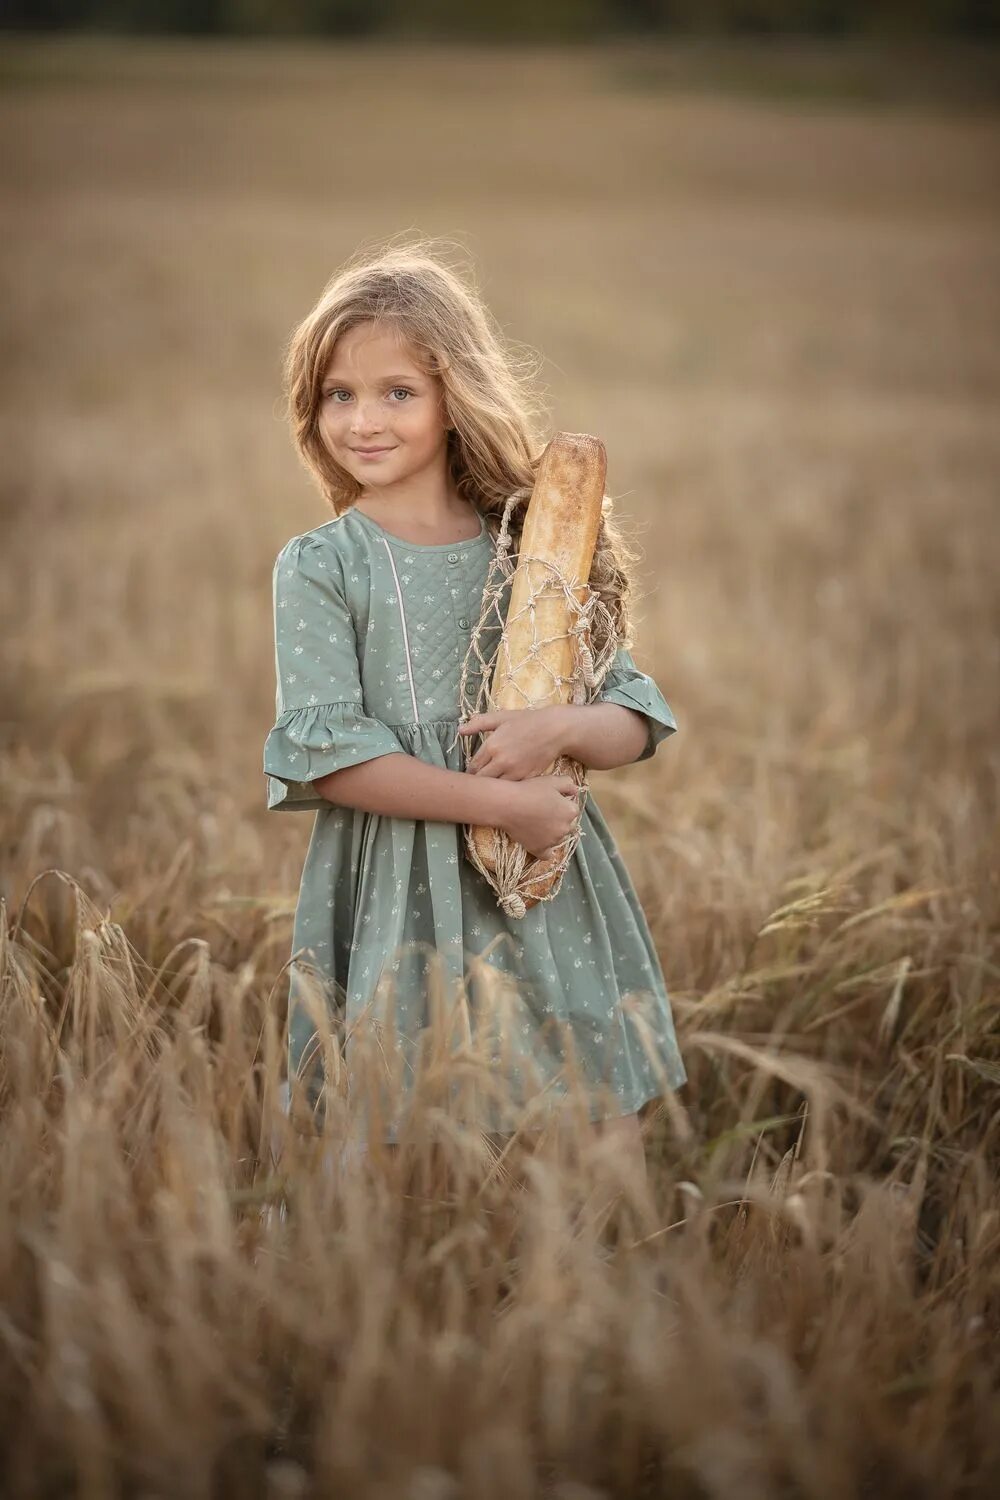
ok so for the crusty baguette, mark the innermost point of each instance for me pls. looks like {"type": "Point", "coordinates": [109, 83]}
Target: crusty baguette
{"type": "Point", "coordinates": [560, 529]}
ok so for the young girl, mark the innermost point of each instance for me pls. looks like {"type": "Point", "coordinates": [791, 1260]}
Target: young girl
{"type": "Point", "coordinates": [410, 414]}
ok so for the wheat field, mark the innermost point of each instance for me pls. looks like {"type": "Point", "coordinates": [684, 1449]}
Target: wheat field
{"type": "Point", "coordinates": [781, 316]}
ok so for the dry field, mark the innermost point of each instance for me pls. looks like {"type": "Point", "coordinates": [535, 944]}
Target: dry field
{"type": "Point", "coordinates": [782, 317]}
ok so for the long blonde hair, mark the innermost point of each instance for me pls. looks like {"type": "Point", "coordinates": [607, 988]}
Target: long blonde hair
{"type": "Point", "coordinates": [495, 443]}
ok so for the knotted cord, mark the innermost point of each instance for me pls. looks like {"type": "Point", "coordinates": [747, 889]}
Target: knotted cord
{"type": "Point", "coordinates": [517, 874]}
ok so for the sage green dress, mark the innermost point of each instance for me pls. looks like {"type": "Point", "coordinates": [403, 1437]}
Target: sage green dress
{"type": "Point", "coordinates": [370, 636]}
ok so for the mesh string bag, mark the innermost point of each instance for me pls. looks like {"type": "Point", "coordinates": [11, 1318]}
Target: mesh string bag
{"type": "Point", "coordinates": [521, 879]}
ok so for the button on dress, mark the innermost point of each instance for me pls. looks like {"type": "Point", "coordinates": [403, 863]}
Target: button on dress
{"type": "Point", "coordinates": [371, 632]}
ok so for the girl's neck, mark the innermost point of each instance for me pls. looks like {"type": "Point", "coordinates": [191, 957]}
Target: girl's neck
{"type": "Point", "coordinates": [425, 506]}
{"type": "Point", "coordinates": [422, 524]}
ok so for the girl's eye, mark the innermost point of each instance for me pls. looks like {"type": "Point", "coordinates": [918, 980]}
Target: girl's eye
{"type": "Point", "coordinates": [339, 391]}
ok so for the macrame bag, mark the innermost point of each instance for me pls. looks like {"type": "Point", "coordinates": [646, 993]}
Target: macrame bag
{"type": "Point", "coordinates": [538, 650]}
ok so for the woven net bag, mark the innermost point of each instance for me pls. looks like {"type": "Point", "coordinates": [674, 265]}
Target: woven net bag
{"type": "Point", "coordinates": [532, 645]}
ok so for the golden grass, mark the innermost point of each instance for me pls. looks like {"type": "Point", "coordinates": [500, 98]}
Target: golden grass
{"type": "Point", "coordinates": [784, 327]}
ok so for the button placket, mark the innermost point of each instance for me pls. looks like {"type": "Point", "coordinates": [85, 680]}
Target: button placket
{"type": "Point", "coordinates": [458, 591]}
{"type": "Point", "coordinates": [467, 602]}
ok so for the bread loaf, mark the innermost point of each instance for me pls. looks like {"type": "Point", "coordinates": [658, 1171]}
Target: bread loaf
{"type": "Point", "coordinates": [536, 653]}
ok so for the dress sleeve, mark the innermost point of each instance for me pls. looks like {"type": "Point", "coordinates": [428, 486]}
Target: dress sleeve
{"type": "Point", "coordinates": [626, 685]}
{"type": "Point", "coordinates": [320, 723]}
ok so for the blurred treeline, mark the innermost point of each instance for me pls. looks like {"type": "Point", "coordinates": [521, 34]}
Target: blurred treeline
{"type": "Point", "coordinates": [515, 19]}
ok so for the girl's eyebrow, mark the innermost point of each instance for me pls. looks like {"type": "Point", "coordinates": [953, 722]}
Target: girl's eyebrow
{"type": "Point", "coordinates": [386, 379]}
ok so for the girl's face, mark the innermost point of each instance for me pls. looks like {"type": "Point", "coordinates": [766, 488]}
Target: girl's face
{"type": "Point", "coordinates": [380, 416]}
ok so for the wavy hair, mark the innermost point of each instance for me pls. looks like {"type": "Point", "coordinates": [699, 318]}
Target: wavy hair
{"type": "Point", "coordinates": [495, 441]}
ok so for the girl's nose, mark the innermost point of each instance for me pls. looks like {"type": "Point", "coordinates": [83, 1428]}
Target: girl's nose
{"type": "Point", "coordinates": [365, 420]}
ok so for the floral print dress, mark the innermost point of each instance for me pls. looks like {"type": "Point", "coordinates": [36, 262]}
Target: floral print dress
{"type": "Point", "coordinates": [371, 632]}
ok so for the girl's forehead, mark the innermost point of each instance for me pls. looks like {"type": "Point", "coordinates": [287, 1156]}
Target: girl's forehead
{"type": "Point", "coordinates": [373, 353]}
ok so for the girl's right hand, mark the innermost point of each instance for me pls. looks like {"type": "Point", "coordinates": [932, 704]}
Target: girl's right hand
{"type": "Point", "coordinates": [544, 810]}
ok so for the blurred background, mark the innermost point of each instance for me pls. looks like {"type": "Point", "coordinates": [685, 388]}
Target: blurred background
{"type": "Point", "coordinates": [755, 247]}
{"type": "Point", "coordinates": [759, 261]}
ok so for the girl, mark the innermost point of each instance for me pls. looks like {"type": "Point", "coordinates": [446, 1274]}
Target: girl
{"type": "Point", "coordinates": [408, 411]}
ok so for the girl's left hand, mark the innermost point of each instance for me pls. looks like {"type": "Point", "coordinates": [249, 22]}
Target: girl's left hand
{"type": "Point", "coordinates": [521, 742]}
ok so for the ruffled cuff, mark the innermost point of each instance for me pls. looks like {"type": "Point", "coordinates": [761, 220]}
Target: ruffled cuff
{"type": "Point", "coordinates": [307, 743]}
{"type": "Point", "coordinates": [634, 689]}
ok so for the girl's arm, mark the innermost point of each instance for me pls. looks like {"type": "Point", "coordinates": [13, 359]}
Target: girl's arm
{"type": "Point", "coordinates": [600, 735]}
{"type": "Point", "coordinates": [403, 786]}
{"type": "Point", "coordinates": [595, 738]}
{"type": "Point", "coordinates": [624, 723]}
